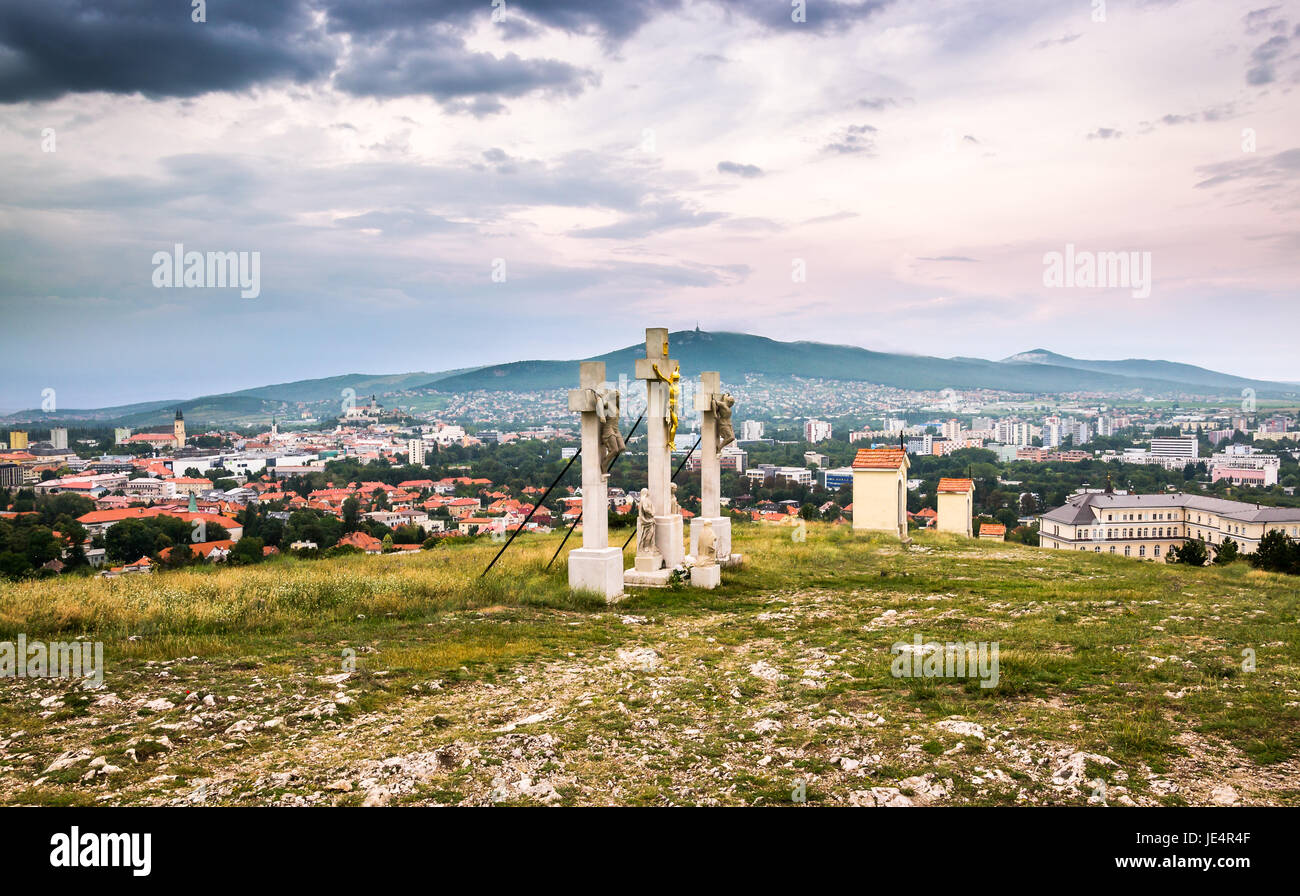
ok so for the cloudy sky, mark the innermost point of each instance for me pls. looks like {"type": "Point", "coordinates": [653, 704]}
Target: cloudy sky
{"type": "Point", "coordinates": [622, 165]}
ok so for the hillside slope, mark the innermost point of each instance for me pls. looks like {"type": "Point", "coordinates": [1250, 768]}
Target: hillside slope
{"type": "Point", "coordinates": [410, 680]}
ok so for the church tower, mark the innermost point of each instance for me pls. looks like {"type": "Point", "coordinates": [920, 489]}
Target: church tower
{"type": "Point", "coordinates": [178, 429]}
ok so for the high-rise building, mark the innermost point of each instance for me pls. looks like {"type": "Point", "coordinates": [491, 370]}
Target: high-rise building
{"type": "Point", "coordinates": [1184, 447]}
{"type": "Point", "coordinates": [1011, 432]}
{"type": "Point", "coordinates": [415, 452]}
{"type": "Point", "coordinates": [121, 434]}
{"type": "Point", "coordinates": [17, 440]}
{"type": "Point", "coordinates": [816, 431]}
{"type": "Point", "coordinates": [751, 430]}
{"type": "Point", "coordinates": [733, 459]}
{"type": "Point", "coordinates": [59, 438]}
{"type": "Point", "coordinates": [1052, 434]}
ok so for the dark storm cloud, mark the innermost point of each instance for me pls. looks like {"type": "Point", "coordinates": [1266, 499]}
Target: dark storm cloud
{"type": "Point", "coordinates": [615, 20]}
{"type": "Point", "coordinates": [52, 47]}
{"type": "Point", "coordinates": [49, 48]}
{"type": "Point", "coordinates": [437, 63]}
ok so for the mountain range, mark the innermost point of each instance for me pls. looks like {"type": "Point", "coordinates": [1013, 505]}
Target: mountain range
{"type": "Point", "coordinates": [734, 355]}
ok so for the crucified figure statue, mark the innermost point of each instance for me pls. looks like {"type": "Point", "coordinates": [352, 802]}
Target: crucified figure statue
{"type": "Point", "coordinates": [722, 406]}
{"type": "Point", "coordinates": [611, 440]}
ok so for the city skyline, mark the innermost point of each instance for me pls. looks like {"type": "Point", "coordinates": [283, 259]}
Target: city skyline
{"type": "Point", "coordinates": [410, 183]}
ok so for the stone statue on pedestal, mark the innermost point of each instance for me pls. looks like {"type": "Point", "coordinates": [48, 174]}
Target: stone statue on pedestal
{"type": "Point", "coordinates": [645, 526]}
{"type": "Point", "coordinates": [708, 549]}
{"type": "Point", "coordinates": [722, 406]}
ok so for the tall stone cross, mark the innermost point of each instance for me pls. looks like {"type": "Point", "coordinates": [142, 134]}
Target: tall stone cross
{"type": "Point", "coordinates": [595, 484]}
{"type": "Point", "coordinates": [710, 392]}
{"type": "Point", "coordinates": [595, 566]}
{"type": "Point", "coordinates": [659, 371]}
{"type": "Point", "coordinates": [710, 471]}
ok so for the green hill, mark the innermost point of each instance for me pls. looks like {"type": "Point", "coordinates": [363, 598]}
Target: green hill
{"type": "Point", "coordinates": [1168, 371]}
{"type": "Point", "coordinates": [735, 355]}
{"type": "Point", "coordinates": [738, 354]}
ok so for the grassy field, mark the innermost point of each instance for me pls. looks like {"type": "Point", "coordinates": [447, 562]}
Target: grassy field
{"type": "Point", "coordinates": [410, 680]}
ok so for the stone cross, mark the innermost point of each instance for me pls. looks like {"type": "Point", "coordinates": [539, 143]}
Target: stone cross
{"type": "Point", "coordinates": [656, 368]}
{"type": "Point", "coordinates": [595, 482]}
{"type": "Point", "coordinates": [710, 471]}
{"type": "Point", "coordinates": [707, 400]}
{"type": "Point", "coordinates": [595, 566]}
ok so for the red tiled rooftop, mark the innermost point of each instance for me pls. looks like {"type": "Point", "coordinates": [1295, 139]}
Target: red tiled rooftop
{"type": "Point", "coordinates": [879, 459]}
{"type": "Point", "coordinates": [955, 485]}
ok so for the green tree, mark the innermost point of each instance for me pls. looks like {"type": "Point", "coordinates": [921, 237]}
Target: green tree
{"type": "Point", "coordinates": [180, 555]}
{"type": "Point", "coordinates": [351, 515]}
{"type": "Point", "coordinates": [1277, 553]}
{"type": "Point", "coordinates": [129, 540]}
{"type": "Point", "coordinates": [1192, 553]}
{"type": "Point", "coordinates": [1227, 552]}
{"type": "Point", "coordinates": [246, 552]}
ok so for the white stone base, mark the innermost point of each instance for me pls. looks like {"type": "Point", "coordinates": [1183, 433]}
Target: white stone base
{"type": "Point", "coordinates": [597, 569]}
{"type": "Point", "coordinates": [732, 561]}
{"type": "Point", "coordinates": [708, 577]}
{"type": "Point", "coordinates": [670, 539]}
{"type": "Point", "coordinates": [647, 562]}
{"type": "Point", "coordinates": [721, 534]}
{"type": "Point", "coordinates": [634, 578]}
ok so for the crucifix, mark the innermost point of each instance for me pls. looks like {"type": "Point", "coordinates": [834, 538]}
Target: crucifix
{"type": "Point", "coordinates": [661, 374]}
{"type": "Point", "coordinates": [714, 406]}
{"type": "Point", "coordinates": [596, 566]}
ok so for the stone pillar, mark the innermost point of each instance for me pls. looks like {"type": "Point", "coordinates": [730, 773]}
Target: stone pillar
{"type": "Point", "coordinates": [595, 566]}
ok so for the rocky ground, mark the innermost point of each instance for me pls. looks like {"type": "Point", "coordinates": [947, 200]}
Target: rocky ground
{"type": "Point", "coordinates": [785, 698]}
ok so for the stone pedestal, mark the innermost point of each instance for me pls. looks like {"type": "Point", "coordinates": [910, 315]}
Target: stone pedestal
{"type": "Point", "coordinates": [597, 569]}
{"type": "Point", "coordinates": [708, 577]}
{"type": "Point", "coordinates": [634, 578]}
{"type": "Point", "coordinates": [648, 563]}
{"type": "Point", "coordinates": [670, 537]}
